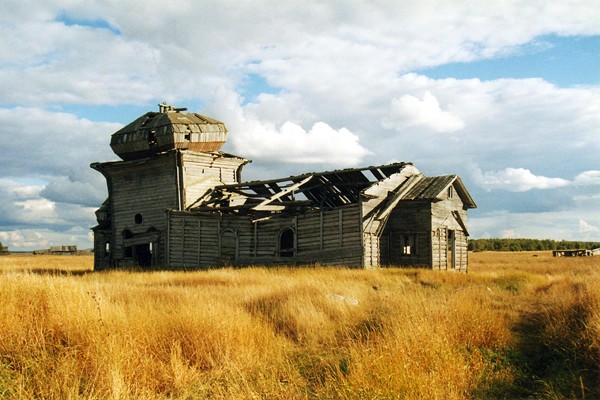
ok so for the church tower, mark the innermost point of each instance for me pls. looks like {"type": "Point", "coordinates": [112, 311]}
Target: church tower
{"type": "Point", "coordinates": [169, 160]}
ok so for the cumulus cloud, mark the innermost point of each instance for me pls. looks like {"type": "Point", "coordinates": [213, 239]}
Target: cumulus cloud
{"type": "Point", "coordinates": [290, 142]}
{"type": "Point", "coordinates": [518, 180]}
{"type": "Point", "coordinates": [408, 111]}
{"type": "Point", "coordinates": [30, 220]}
{"type": "Point", "coordinates": [24, 239]}
{"type": "Point", "coordinates": [508, 234]}
{"type": "Point", "coordinates": [585, 227]}
{"type": "Point", "coordinates": [65, 190]}
{"type": "Point", "coordinates": [588, 178]}
{"type": "Point", "coordinates": [321, 144]}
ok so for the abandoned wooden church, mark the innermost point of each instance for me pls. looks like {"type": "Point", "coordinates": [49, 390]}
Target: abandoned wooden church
{"type": "Point", "coordinates": [176, 201]}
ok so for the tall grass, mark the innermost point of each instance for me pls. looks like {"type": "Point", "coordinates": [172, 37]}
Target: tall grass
{"type": "Point", "coordinates": [517, 325]}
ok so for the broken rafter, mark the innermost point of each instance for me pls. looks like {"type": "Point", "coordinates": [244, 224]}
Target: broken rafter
{"type": "Point", "coordinates": [282, 193]}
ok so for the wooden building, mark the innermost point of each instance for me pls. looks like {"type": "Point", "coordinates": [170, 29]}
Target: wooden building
{"type": "Point", "coordinates": [176, 201]}
{"type": "Point", "coordinates": [67, 250]}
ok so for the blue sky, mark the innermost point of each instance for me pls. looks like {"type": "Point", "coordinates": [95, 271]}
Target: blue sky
{"type": "Point", "coordinates": [504, 94]}
{"type": "Point", "coordinates": [562, 61]}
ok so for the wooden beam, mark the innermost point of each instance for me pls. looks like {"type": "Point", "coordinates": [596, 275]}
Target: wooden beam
{"type": "Point", "coordinates": [263, 205]}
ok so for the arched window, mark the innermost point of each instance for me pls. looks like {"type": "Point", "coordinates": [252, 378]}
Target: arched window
{"type": "Point", "coordinates": [287, 243]}
{"type": "Point", "coordinates": [229, 246]}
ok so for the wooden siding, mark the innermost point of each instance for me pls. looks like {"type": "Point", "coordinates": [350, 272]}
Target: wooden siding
{"type": "Point", "coordinates": [101, 258]}
{"type": "Point", "coordinates": [147, 190]}
{"type": "Point", "coordinates": [410, 219]}
{"type": "Point", "coordinates": [203, 171]}
{"type": "Point", "coordinates": [330, 237]}
{"type": "Point", "coordinates": [442, 221]}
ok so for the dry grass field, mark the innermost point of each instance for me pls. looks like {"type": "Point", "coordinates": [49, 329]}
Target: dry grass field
{"type": "Point", "coordinates": [518, 325]}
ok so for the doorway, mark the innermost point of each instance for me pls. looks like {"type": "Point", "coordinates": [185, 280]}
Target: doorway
{"type": "Point", "coordinates": [451, 251]}
{"type": "Point", "coordinates": [142, 255]}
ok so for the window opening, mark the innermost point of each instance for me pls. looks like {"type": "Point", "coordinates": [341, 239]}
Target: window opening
{"type": "Point", "coordinates": [409, 244]}
{"type": "Point", "coordinates": [286, 243]}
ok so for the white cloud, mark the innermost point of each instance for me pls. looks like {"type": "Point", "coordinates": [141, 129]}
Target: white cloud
{"type": "Point", "coordinates": [23, 240]}
{"type": "Point", "coordinates": [291, 143]}
{"type": "Point", "coordinates": [588, 178]}
{"type": "Point", "coordinates": [584, 227]}
{"type": "Point", "coordinates": [561, 225]}
{"type": "Point", "coordinates": [508, 234]}
{"type": "Point", "coordinates": [408, 111]}
{"type": "Point", "coordinates": [518, 180]}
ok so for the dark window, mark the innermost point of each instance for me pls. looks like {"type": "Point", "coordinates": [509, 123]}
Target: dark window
{"type": "Point", "coordinates": [286, 243]}
{"type": "Point", "coordinates": [409, 244]}
{"type": "Point", "coordinates": [138, 218]}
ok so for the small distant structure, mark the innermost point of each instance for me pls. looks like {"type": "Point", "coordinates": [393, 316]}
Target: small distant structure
{"type": "Point", "coordinates": [4, 250]}
{"type": "Point", "coordinates": [57, 251]}
{"type": "Point", "coordinates": [576, 253]}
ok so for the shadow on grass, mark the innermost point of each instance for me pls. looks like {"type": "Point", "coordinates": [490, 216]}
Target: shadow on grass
{"type": "Point", "coordinates": [56, 271]}
{"type": "Point", "coordinates": [555, 355]}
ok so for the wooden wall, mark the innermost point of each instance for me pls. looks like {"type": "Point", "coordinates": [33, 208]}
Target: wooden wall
{"type": "Point", "coordinates": [440, 252]}
{"type": "Point", "coordinates": [331, 237]}
{"type": "Point", "coordinates": [146, 187]}
{"type": "Point", "coordinates": [412, 219]}
{"type": "Point", "coordinates": [323, 237]}
{"type": "Point", "coordinates": [443, 221]}
{"type": "Point", "coordinates": [203, 171]}
{"type": "Point", "coordinates": [101, 258]}
{"type": "Point", "coordinates": [141, 191]}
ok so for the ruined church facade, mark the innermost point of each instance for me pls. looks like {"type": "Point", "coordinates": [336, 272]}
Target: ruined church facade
{"type": "Point", "coordinates": [176, 201]}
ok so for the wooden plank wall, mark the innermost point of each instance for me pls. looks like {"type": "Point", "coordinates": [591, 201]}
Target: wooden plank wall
{"type": "Point", "coordinates": [371, 251]}
{"type": "Point", "coordinates": [100, 257]}
{"type": "Point", "coordinates": [203, 171]}
{"type": "Point", "coordinates": [330, 237]}
{"type": "Point", "coordinates": [142, 188]}
{"type": "Point", "coordinates": [442, 220]}
{"type": "Point", "coordinates": [412, 219]}
{"type": "Point", "coordinates": [193, 241]}
{"type": "Point", "coordinates": [439, 246]}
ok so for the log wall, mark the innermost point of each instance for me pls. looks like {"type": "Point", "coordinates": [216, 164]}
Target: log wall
{"type": "Point", "coordinates": [203, 171]}
{"type": "Point", "coordinates": [146, 189]}
{"type": "Point", "coordinates": [442, 221]}
{"type": "Point", "coordinates": [320, 237]}
{"type": "Point", "coordinates": [410, 220]}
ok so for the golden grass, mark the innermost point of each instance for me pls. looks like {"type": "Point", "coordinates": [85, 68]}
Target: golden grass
{"type": "Point", "coordinates": [517, 325]}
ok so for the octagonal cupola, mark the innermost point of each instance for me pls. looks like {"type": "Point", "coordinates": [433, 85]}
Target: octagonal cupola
{"type": "Point", "coordinates": [168, 129]}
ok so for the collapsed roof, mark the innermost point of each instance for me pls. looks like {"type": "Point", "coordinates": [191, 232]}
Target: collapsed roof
{"type": "Point", "coordinates": [325, 190]}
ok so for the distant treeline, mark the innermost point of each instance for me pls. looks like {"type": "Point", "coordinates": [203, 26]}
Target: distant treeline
{"type": "Point", "coordinates": [528, 245]}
